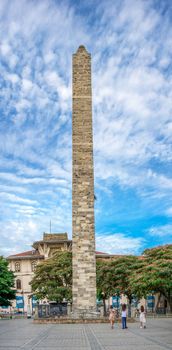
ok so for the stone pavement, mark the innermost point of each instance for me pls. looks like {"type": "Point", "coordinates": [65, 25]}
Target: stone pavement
{"type": "Point", "coordinates": [24, 335]}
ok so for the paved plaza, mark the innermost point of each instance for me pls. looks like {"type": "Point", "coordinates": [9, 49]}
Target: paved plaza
{"type": "Point", "coordinates": [23, 334]}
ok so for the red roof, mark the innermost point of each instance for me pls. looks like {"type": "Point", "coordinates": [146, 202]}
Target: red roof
{"type": "Point", "coordinates": [27, 253]}
{"type": "Point", "coordinates": [36, 253]}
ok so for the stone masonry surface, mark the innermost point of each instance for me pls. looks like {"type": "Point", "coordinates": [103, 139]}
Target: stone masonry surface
{"type": "Point", "coordinates": [24, 335]}
{"type": "Point", "coordinates": [83, 237]}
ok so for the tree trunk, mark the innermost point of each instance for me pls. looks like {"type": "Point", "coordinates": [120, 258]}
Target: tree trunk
{"type": "Point", "coordinates": [129, 307]}
{"type": "Point", "coordinates": [169, 298]}
{"type": "Point", "coordinates": [104, 306]}
{"type": "Point", "coordinates": [159, 297]}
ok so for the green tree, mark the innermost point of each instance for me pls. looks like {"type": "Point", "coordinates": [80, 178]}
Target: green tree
{"type": "Point", "coordinates": [103, 281]}
{"type": "Point", "coordinates": [53, 278]}
{"type": "Point", "coordinates": [7, 291]}
{"type": "Point", "coordinates": [113, 277]}
{"type": "Point", "coordinates": [155, 275]}
{"type": "Point", "coordinates": [121, 271]}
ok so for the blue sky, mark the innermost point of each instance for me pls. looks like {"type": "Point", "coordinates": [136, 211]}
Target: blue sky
{"type": "Point", "coordinates": [131, 46]}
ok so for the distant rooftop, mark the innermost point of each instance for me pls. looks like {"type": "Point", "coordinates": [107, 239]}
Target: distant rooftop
{"type": "Point", "coordinates": [55, 236]}
{"type": "Point", "coordinates": [50, 239]}
{"type": "Point", "coordinates": [31, 254]}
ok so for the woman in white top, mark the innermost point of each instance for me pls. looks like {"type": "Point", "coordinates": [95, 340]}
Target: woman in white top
{"type": "Point", "coordinates": [142, 317]}
{"type": "Point", "coordinates": [124, 316]}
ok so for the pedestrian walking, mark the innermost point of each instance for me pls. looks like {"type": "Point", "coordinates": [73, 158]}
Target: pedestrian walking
{"type": "Point", "coordinates": [142, 317]}
{"type": "Point", "coordinates": [124, 316]}
{"type": "Point", "coordinates": [112, 316]}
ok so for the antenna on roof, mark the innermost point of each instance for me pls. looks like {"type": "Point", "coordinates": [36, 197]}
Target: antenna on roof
{"type": "Point", "coordinates": [50, 226]}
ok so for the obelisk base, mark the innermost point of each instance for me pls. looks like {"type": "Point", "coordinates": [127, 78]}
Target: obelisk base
{"type": "Point", "coordinates": [85, 314]}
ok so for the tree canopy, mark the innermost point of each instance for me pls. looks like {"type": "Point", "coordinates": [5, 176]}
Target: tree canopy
{"type": "Point", "coordinates": [7, 291]}
{"type": "Point", "coordinates": [132, 276]}
{"type": "Point", "coordinates": [53, 278]}
{"type": "Point", "coordinates": [155, 275]}
{"type": "Point", "coordinates": [113, 277]}
{"type": "Point", "coordinates": [137, 276]}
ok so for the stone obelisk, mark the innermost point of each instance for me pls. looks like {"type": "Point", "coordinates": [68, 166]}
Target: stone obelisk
{"type": "Point", "coordinates": [83, 236]}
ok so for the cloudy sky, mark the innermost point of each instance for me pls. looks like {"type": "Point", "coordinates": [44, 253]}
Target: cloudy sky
{"type": "Point", "coordinates": [131, 46]}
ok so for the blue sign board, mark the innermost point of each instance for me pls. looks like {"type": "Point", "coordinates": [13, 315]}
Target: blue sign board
{"type": "Point", "coordinates": [150, 297]}
{"type": "Point", "coordinates": [150, 301]}
{"type": "Point", "coordinates": [115, 301]}
{"type": "Point", "coordinates": [34, 301]}
{"type": "Point", "coordinates": [19, 302]}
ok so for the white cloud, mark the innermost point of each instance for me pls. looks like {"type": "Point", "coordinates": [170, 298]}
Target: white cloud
{"type": "Point", "coordinates": [27, 85]}
{"type": "Point", "coordinates": [169, 212]}
{"type": "Point", "coordinates": [161, 231]}
{"type": "Point", "coordinates": [13, 198]}
{"type": "Point", "coordinates": [22, 104]}
{"type": "Point", "coordinates": [5, 48]}
{"type": "Point", "coordinates": [131, 102]}
{"type": "Point", "coordinates": [14, 78]}
{"type": "Point", "coordinates": [119, 243]}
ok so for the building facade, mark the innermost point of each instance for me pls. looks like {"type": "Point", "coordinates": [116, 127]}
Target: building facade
{"type": "Point", "coordinates": [23, 265]}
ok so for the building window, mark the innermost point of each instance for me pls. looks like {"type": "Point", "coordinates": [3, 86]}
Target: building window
{"type": "Point", "coordinates": [34, 265]}
{"type": "Point", "coordinates": [18, 284]}
{"type": "Point", "coordinates": [17, 267]}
